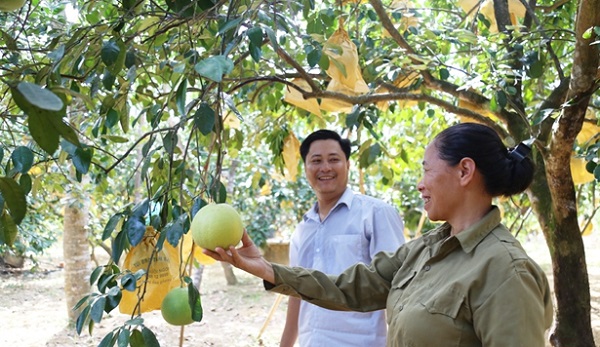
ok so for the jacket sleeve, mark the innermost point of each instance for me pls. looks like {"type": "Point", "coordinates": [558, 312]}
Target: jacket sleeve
{"type": "Point", "coordinates": [518, 312]}
{"type": "Point", "coordinates": [360, 288]}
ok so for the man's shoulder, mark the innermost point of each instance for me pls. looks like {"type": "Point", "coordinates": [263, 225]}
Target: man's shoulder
{"type": "Point", "coordinates": [370, 201]}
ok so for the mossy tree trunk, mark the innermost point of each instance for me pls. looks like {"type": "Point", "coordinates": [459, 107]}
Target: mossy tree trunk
{"type": "Point", "coordinates": [554, 193]}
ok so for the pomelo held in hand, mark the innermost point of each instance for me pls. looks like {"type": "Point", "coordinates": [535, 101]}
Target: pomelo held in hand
{"type": "Point", "coordinates": [217, 225]}
{"type": "Point", "coordinates": [175, 307]}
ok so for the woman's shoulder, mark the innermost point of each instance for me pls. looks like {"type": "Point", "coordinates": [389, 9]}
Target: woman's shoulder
{"type": "Point", "coordinates": [502, 245]}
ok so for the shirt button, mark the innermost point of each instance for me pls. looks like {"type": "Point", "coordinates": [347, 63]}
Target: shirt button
{"type": "Point", "coordinates": [427, 267]}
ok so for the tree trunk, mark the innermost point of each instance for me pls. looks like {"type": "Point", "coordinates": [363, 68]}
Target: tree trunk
{"type": "Point", "coordinates": [571, 282]}
{"type": "Point", "coordinates": [76, 248]}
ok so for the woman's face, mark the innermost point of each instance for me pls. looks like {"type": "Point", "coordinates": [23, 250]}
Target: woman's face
{"type": "Point", "coordinates": [439, 187]}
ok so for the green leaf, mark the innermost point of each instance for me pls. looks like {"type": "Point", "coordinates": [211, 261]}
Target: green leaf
{"type": "Point", "coordinates": [106, 280]}
{"type": "Point", "coordinates": [176, 229]}
{"type": "Point", "coordinates": [324, 62]}
{"type": "Point", "coordinates": [218, 192]}
{"type": "Point", "coordinates": [444, 74]}
{"type": "Point", "coordinates": [313, 57]}
{"type": "Point", "coordinates": [82, 159]}
{"type": "Point", "coordinates": [82, 301]}
{"type": "Point", "coordinates": [170, 141]}
{"type": "Point", "coordinates": [136, 339]}
{"type": "Point", "coordinates": [229, 25]}
{"type": "Point", "coordinates": [108, 340]}
{"type": "Point", "coordinates": [510, 90]}
{"type": "Point", "coordinates": [11, 44]}
{"type": "Point", "coordinates": [26, 183]}
{"type": "Point", "coordinates": [98, 309]}
{"type": "Point", "coordinates": [189, 8]}
{"type": "Point", "coordinates": [536, 69]}
{"type": "Point", "coordinates": [8, 229]}
{"type": "Point", "coordinates": [195, 302]}
{"type": "Point", "coordinates": [22, 159]}
{"type": "Point", "coordinates": [369, 156]}
{"type": "Point", "coordinates": [501, 99]}
{"type": "Point", "coordinates": [45, 125]}
{"type": "Point", "coordinates": [214, 67]}
{"type": "Point", "coordinates": [123, 338]}
{"type": "Point", "coordinates": [81, 319]}
{"type": "Point", "coordinates": [110, 52]}
{"type": "Point", "coordinates": [255, 35]}
{"type": "Point", "coordinates": [204, 118]}
{"type": "Point", "coordinates": [111, 225]}
{"type": "Point", "coordinates": [255, 52]}
{"type": "Point", "coordinates": [197, 205]}
{"type": "Point", "coordinates": [108, 80]}
{"type": "Point", "coordinates": [113, 297]}
{"type": "Point", "coordinates": [135, 229]}
{"type": "Point", "coordinates": [115, 138]}
{"type": "Point", "coordinates": [272, 38]}
{"type": "Point", "coordinates": [96, 274]}
{"type": "Point", "coordinates": [180, 97]}
{"type": "Point", "coordinates": [39, 97]}
{"type": "Point", "coordinates": [129, 282]}
{"type": "Point", "coordinates": [14, 199]}
{"type": "Point", "coordinates": [149, 338]}
{"type": "Point", "coordinates": [118, 245]}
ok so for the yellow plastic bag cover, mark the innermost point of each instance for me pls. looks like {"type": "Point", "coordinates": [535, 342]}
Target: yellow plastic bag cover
{"type": "Point", "coordinates": [485, 112]}
{"type": "Point", "coordinates": [408, 18]}
{"type": "Point", "coordinates": [404, 80]}
{"type": "Point", "coordinates": [516, 11]}
{"type": "Point", "coordinates": [291, 156]}
{"type": "Point", "coordinates": [579, 173]}
{"type": "Point", "coordinates": [589, 130]}
{"type": "Point", "coordinates": [163, 274]}
{"type": "Point", "coordinates": [188, 245]}
{"type": "Point", "coordinates": [342, 52]}
{"type": "Point", "coordinates": [334, 105]}
{"type": "Point", "coordinates": [294, 97]}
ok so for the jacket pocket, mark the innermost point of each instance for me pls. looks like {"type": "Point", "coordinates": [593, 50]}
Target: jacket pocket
{"type": "Point", "coordinates": [447, 301]}
{"type": "Point", "coordinates": [402, 278]}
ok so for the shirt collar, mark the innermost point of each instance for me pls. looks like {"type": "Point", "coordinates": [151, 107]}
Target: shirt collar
{"type": "Point", "coordinates": [470, 237]}
{"type": "Point", "coordinates": [345, 199]}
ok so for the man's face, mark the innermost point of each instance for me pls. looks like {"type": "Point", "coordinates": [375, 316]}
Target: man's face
{"type": "Point", "coordinates": [326, 169]}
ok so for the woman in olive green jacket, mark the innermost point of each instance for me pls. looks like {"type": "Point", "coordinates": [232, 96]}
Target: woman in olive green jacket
{"type": "Point", "coordinates": [466, 283]}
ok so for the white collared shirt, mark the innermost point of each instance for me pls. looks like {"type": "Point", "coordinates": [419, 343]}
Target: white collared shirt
{"type": "Point", "coordinates": [357, 228]}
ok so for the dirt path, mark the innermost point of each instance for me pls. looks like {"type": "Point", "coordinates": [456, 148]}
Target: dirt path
{"type": "Point", "coordinates": [33, 311]}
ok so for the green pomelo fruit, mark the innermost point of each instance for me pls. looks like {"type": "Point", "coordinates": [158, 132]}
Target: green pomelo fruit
{"type": "Point", "coordinates": [217, 225]}
{"type": "Point", "coordinates": [11, 5]}
{"type": "Point", "coordinates": [175, 307]}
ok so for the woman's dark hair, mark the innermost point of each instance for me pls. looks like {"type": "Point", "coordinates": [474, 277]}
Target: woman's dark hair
{"type": "Point", "coordinates": [505, 171]}
{"type": "Point", "coordinates": [324, 134]}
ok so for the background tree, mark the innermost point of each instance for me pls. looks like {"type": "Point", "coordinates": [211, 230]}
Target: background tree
{"type": "Point", "coordinates": [203, 82]}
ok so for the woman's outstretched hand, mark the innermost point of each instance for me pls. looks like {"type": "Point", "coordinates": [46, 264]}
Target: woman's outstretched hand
{"type": "Point", "coordinates": [248, 258]}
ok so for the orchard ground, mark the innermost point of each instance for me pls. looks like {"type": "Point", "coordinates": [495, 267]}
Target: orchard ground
{"type": "Point", "coordinates": [33, 310]}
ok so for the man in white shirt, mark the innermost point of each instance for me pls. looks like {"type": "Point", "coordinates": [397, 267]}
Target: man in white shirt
{"type": "Point", "coordinates": [341, 229]}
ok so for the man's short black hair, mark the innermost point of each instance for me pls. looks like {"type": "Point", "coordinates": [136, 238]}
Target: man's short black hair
{"type": "Point", "coordinates": [324, 134]}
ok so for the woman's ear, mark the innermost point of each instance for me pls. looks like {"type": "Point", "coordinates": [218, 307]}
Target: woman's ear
{"type": "Point", "coordinates": [467, 168]}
